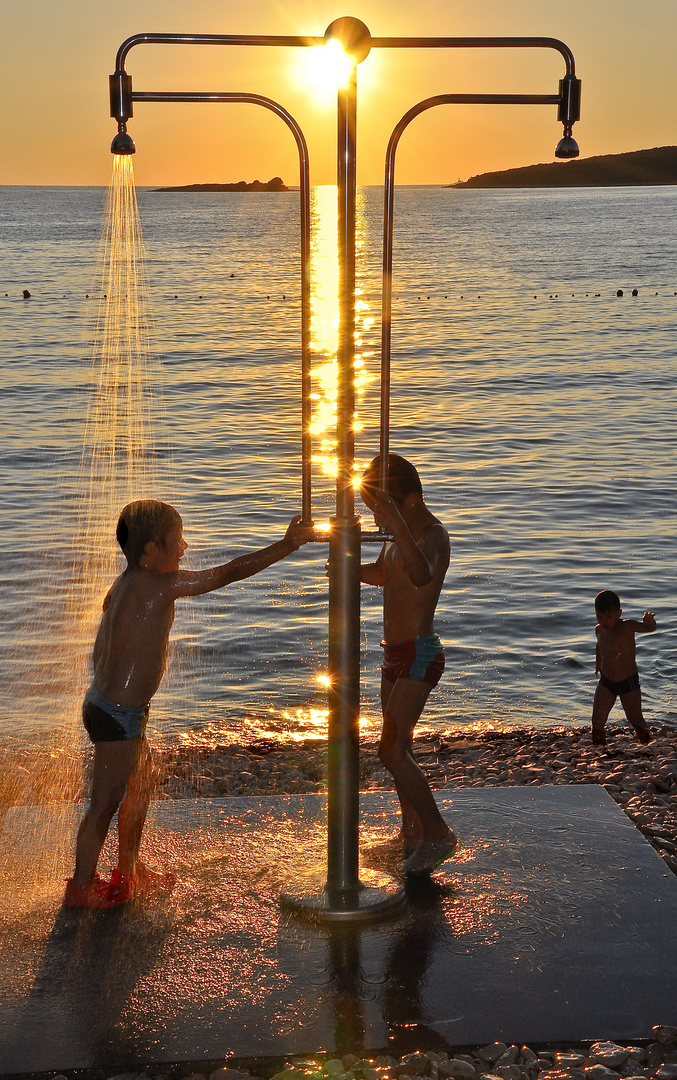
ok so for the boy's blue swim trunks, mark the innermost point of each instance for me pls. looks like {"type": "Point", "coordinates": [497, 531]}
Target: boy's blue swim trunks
{"type": "Point", "coordinates": [107, 722]}
{"type": "Point", "coordinates": [420, 659]}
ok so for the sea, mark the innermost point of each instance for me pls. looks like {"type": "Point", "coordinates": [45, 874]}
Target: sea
{"type": "Point", "coordinates": [531, 387]}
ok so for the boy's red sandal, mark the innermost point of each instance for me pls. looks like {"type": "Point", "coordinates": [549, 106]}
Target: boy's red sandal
{"type": "Point", "coordinates": [142, 882]}
{"type": "Point", "coordinates": [93, 894]}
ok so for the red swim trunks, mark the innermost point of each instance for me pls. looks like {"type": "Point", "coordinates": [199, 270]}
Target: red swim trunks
{"type": "Point", "coordinates": [419, 659]}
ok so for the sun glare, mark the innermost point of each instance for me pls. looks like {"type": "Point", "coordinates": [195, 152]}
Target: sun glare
{"type": "Point", "coordinates": [325, 67]}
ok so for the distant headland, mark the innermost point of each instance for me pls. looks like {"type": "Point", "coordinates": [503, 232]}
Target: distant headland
{"type": "Point", "coordinates": [275, 184]}
{"type": "Point", "coordinates": [635, 169]}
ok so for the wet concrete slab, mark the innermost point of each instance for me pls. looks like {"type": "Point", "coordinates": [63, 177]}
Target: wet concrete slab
{"type": "Point", "coordinates": [553, 923]}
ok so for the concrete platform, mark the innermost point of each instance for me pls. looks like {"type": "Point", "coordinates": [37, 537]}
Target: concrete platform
{"type": "Point", "coordinates": [554, 923]}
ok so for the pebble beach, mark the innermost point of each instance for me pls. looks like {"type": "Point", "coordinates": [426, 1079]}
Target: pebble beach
{"type": "Point", "coordinates": [601, 1060]}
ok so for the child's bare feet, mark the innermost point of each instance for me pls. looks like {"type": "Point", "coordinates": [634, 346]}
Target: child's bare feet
{"type": "Point", "coordinates": [429, 855]}
{"type": "Point", "coordinates": [598, 737]}
{"type": "Point", "coordinates": [643, 735]}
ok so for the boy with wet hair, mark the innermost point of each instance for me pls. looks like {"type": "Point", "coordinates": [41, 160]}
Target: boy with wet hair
{"type": "Point", "coordinates": [410, 570]}
{"type": "Point", "coordinates": [129, 659]}
{"type": "Point", "coordinates": [616, 665]}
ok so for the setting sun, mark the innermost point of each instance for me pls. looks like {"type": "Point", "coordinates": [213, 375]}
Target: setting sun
{"type": "Point", "coordinates": [325, 67]}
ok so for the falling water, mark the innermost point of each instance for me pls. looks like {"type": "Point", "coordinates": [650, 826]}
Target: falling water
{"type": "Point", "coordinates": [117, 464]}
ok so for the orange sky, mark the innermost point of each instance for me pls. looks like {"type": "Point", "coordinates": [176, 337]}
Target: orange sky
{"type": "Point", "coordinates": [57, 54]}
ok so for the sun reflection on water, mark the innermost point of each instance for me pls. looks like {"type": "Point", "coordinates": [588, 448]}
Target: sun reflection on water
{"type": "Point", "coordinates": [325, 325]}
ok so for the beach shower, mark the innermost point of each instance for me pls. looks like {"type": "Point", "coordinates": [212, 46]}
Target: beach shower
{"type": "Point", "coordinates": [346, 895]}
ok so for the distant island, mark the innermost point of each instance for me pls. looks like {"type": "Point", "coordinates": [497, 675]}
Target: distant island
{"type": "Point", "coordinates": [637, 168]}
{"type": "Point", "coordinates": [275, 184]}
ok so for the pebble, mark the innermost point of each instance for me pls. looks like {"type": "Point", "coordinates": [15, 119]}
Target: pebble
{"type": "Point", "coordinates": [609, 1054]}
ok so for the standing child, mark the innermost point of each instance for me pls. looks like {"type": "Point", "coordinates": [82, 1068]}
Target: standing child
{"type": "Point", "coordinates": [411, 571]}
{"type": "Point", "coordinates": [615, 662]}
{"type": "Point", "coordinates": [129, 659]}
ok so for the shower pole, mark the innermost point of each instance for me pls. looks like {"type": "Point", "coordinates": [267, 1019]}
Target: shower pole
{"type": "Point", "coordinates": [346, 895]}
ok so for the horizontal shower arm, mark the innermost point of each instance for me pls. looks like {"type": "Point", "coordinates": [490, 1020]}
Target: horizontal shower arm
{"type": "Point", "coordinates": [478, 43]}
{"type": "Point", "coordinates": [213, 39]}
{"type": "Point", "coordinates": [297, 41]}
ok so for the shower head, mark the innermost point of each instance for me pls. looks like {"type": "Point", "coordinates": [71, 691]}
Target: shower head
{"type": "Point", "coordinates": [121, 109]}
{"type": "Point", "coordinates": [122, 143]}
{"type": "Point", "coordinates": [569, 112]}
{"type": "Point", "coordinates": [567, 147]}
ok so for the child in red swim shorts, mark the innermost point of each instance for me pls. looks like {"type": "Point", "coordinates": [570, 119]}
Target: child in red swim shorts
{"type": "Point", "coordinates": [411, 571]}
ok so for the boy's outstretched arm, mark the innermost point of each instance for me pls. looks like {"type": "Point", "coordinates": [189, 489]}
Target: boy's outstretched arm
{"type": "Point", "coordinates": [646, 626]}
{"type": "Point", "coordinates": [195, 583]}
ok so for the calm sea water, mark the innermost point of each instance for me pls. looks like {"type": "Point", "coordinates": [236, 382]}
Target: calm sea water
{"type": "Point", "coordinates": [539, 407]}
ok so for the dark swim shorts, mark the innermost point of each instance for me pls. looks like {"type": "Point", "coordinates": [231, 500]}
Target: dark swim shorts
{"type": "Point", "coordinates": [420, 659]}
{"type": "Point", "coordinates": [106, 721]}
{"type": "Point", "coordinates": [625, 686]}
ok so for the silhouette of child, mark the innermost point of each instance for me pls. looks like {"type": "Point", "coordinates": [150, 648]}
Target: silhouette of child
{"type": "Point", "coordinates": [411, 571]}
{"type": "Point", "coordinates": [615, 662]}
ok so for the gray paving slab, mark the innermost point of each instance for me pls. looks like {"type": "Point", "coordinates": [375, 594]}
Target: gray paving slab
{"type": "Point", "coordinates": [553, 923]}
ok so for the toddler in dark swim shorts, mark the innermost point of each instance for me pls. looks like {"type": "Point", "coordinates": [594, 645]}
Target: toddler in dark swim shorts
{"type": "Point", "coordinates": [624, 686]}
{"type": "Point", "coordinates": [617, 667]}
